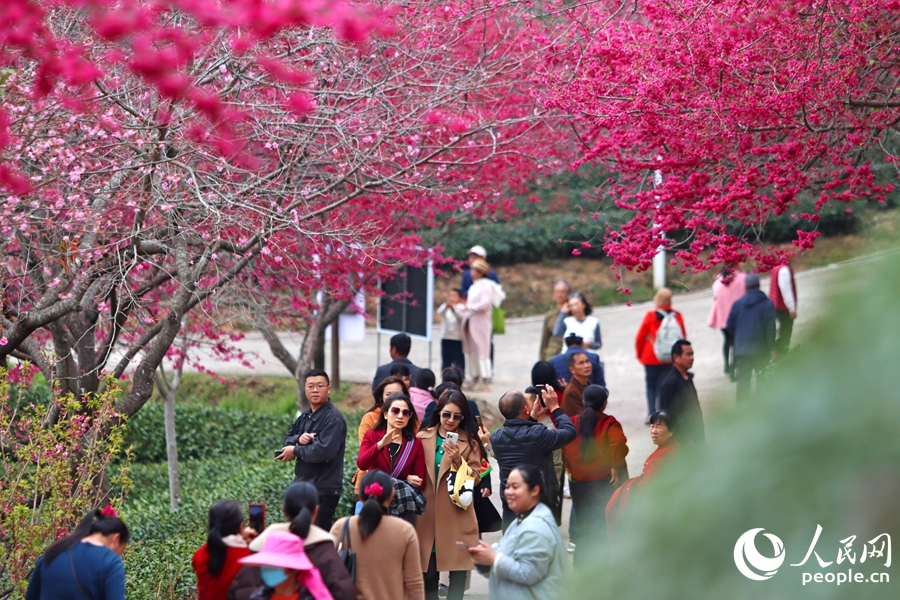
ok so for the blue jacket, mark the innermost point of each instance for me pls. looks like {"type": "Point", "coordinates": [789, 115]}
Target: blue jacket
{"type": "Point", "coordinates": [385, 371]}
{"type": "Point", "coordinates": [562, 369]}
{"type": "Point", "coordinates": [752, 323]}
{"type": "Point", "coordinates": [521, 442]}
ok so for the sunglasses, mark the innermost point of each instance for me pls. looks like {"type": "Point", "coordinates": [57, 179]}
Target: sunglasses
{"type": "Point", "coordinates": [449, 415]}
{"type": "Point", "coordinates": [396, 410]}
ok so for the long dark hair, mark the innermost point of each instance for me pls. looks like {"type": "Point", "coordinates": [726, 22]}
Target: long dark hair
{"type": "Point", "coordinates": [225, 518]}
{"type": "Point", "coordinates": [300, 502]}
{"type": "Point", "coordinates": [378, 392]}
{"type": "Point", "coordinates": [543, 373]}
{"type": "Point", "coordinates": [373, 504]}
{"type": "Point", "coordinates": [595, 396]}
{"type": "Point", "coordinates": [93, 522]}
{"type": "Point", "coordinates": [459, 400]}
{"type": "Point", "coordinates": [411, 426]}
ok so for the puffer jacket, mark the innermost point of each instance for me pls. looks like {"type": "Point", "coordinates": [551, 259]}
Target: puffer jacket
{"type": "Point", "coordinates": [752, 323]}
{"type": "Point", "coordinates": [521, 442]}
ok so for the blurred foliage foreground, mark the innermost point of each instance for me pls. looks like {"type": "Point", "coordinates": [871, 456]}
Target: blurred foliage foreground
{"type": "Point", "coordinates": [817, 447]}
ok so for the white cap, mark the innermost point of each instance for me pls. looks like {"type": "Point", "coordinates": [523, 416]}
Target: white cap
{"type": "Point", "coordinates": [479, 250]}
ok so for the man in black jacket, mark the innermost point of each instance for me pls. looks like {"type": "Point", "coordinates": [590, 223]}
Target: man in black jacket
{"type": "Point", "coordinates": [400, 346]}
{"type": "Point", "coordinates": [317, 440]}
{"type": "Point", "coordinates": [523, 440]}
{"type": "Point", "coordinates": [678, 396]}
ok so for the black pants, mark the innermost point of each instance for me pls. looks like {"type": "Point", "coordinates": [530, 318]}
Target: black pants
{"type": "Point", "coordinates": [785, 329]}
{"type": "Point", "coordinates": [653, 378]}
{"type": "Point", "coordinates": [744, 366]}
{"type": "Point", "coordinates": [589, 499]}
{"type": "Point", "coordinates": [432, 577]}
{"type": "Point", "coordinates": [327, 504]}
{"type": "Point", "coordinates": [452, 355]}
{"type": "Point", "coordinates": [728, 353]}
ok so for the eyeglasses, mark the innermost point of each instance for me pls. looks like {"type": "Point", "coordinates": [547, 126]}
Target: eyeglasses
{"type": "Point", "coordinates": [449, 415]}
{"type": "Point", "coordinates": [316, 386]}
{"type": "Point", "coordinates": [396, 410]}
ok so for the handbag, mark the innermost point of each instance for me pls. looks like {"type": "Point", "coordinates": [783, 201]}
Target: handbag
{"type": "Point", "coordinates": [345, 553]}
{"type": "Point", "coordinates": [498, 321]}
{"type": "Point", "coordinates": [461, 485]}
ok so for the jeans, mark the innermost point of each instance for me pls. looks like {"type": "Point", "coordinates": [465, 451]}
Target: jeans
{"type": "Point", "coordinates": [785, 329]}
{"type": "Point", "coordinates": [744, 366]}
{"type": "Point", "coordinates": [589, 500]}
{"type": "Point", "coordinates": [452, 355]}
{"type": "Point", "coordinates": [653, 377]}
{"type": "Point", "coordinates": [457, 582]}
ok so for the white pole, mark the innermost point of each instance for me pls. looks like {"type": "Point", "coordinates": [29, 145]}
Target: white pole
{"type": "Point", "coordinates": [659, 261]}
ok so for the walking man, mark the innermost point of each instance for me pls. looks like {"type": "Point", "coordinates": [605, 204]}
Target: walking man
{"type": "Point", "coordinates": [751, 323]}
{"type": "Point", "coordinates": [678, 396]}
{"type": "Point", "coordinates": [316, 441]}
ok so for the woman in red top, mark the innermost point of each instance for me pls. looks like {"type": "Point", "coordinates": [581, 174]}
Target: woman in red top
{"type": "Point", "coordinates": [391, 446]}
{"type": "Point", "coordinates": [655, 370]}
{"type": "Point", "coordinates": [663, 435]}
{"type": "Point", "coordinates": [216, 562]}
{"type": "Point", "coordinates": [595, 461]}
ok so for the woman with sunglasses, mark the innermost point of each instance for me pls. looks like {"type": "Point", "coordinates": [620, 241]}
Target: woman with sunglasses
{"type": "Point", "coordinates": [444, 524]}
{"type": "Point", "coordinates": [391, 445]}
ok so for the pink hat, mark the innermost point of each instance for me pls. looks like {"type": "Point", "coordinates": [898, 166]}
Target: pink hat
{"type": "Point", "coordinates": [280, 549]}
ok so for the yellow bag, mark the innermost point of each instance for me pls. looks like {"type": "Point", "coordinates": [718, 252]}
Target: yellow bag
{"type": "Point", "coordinates": [461, 485]}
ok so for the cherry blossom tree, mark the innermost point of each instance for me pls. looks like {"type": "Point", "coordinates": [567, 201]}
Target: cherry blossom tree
{"type": "Point", "coordinates": [167, 159]}
{"type": "Point", "coordinates": [741, 107]}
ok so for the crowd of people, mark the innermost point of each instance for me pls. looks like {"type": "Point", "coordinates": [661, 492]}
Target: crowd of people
{"type": "Point", "coordinates": [423, 484]}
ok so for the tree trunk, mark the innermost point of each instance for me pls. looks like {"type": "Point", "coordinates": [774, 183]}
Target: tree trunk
{"type": "Point", "coordinates": [172, 444]}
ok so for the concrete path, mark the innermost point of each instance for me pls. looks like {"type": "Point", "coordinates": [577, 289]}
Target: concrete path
{"type": "Point", "coordinates": [517, 350]}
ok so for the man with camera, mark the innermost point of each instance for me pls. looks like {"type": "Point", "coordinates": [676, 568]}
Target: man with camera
{"type": "Point", "coordinates": [524, 440]}
{"type": "Point", "coordinates": [316, 441]}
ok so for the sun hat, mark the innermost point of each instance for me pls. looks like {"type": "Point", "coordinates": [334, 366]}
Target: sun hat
{"type": "Point", "coordinates": [281, 549]}
{"type": "Point", "coordinates": [481, 266]}
{"type": "Point", "coordinates": [479, 250]}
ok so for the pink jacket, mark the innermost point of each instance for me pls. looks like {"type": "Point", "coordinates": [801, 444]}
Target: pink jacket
{"type": "Point", "coordinates": [420, 400]}
{"type": "Point", "coordinates": [723, 297]}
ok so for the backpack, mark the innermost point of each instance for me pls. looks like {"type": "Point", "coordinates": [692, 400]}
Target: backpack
{"type": "Point", "coordinates": [668, 333]}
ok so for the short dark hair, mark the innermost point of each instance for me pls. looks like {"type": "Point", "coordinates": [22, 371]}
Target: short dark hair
{"type": "Point", "coordinates": [425, 379]}
{"type": "Point", "coordinates": [511, 404]}
{"type": "Point", "coordinates": [451, 375]}
{"type": "Point", "coordinates": [401, 343]}
{"type": "Point", "coordinates": [543, 373]}
{"type": "Point", "coordinates": [457, 290]}
{"type": "Point", "coordinates": [662, 416]}
{"type": "Point", "coordinates": [570, 361]}
{"type": "Point", "coordinates": [317, 373]}
{"type": "Point", "coordinates": [678, 347]}
{"type": "Point", "coordinates": [400, 370]}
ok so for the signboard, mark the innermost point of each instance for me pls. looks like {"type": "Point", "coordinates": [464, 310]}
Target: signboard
{"type": "Point", "coordinates": [407, 302]}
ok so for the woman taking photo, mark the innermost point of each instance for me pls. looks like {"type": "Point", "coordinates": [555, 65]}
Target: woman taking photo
{"type": "Point", "coordinates": [444, 524]}
{"type": "Point", "coordinates": [391, 445]}
{"type": "Point", "coordinates": [300, 505]}
{"type": "Point", "coordinates": [595, 461]}
{"type": "Point", "coordinates": [386, 548]}
{"type": "Point", "coordinates": [86, 563]}
{"type": "Point", "coordinates": [575, 317]}
{"type": "Point", "coordinates": [216, 561]}
{"type": "Point", "coordinates": [530, 561]}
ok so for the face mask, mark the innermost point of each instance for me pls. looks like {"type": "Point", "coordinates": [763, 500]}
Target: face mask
{"type": "Point", "coordinates": [272, 576]}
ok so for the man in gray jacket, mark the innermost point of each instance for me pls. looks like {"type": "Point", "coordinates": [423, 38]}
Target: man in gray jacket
{"type": "Point", "coordinates": [525, 441]}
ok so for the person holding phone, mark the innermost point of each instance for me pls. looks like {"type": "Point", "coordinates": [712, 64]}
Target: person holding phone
{"type": "Point", "coordinates": [450, 438]}
{"type": "Point", "coordinates": [391, 445]}
{"type": "Point", "coordinates": [216, 562]}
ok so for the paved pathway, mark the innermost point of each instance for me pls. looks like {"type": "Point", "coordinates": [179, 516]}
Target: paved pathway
{"type": "Point", "coordinates": [517, 350]}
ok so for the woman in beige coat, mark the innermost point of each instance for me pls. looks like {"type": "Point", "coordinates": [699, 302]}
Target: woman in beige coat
{"type": "Point", "coordinates": [444, 524]}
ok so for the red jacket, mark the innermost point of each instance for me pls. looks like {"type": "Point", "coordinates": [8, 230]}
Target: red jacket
{"type": "Point", "coordinates": [646, 335]}
{"type": "Point", "coordinates": [370, 457]}
{"type": "Point", "coordinates": [215, 587]}
{"type": "Point", "coordinates": [775, 290]}
{"type": "Point", "coordinates": [609, 450]}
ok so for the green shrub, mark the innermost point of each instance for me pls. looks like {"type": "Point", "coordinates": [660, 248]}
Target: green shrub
{"type": "Point", "coordinates": [203, 431]}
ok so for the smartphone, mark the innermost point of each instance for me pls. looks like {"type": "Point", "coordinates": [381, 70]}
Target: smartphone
{"type": "Point", "coordinates": [278, 453]}
{"type": "Point", "coordinates": [256, 513]}
{"type": "Point", "coordinates": [540, 389]}
{"type": "Point", "coordinates": [452, 437]}
{"type": "Point", "coordinates": [462, 545]}
{"type": "Point", "coordinates": [480, 424]}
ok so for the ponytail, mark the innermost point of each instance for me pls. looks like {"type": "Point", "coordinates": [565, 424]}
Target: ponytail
{"type": "Point", "coordinates": [100, 521]}
{"type": "Point", "coordinates": [300, 501]}
{"type": "Point", "coordinates": [595, 397]}
{"type": "Point", "coordinates": [375, 488]}
{"type": "Point", "coordinates": [225, 518]}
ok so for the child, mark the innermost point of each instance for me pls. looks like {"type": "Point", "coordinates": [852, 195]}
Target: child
{"type": "Point", "coordinates": [452, 311]}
